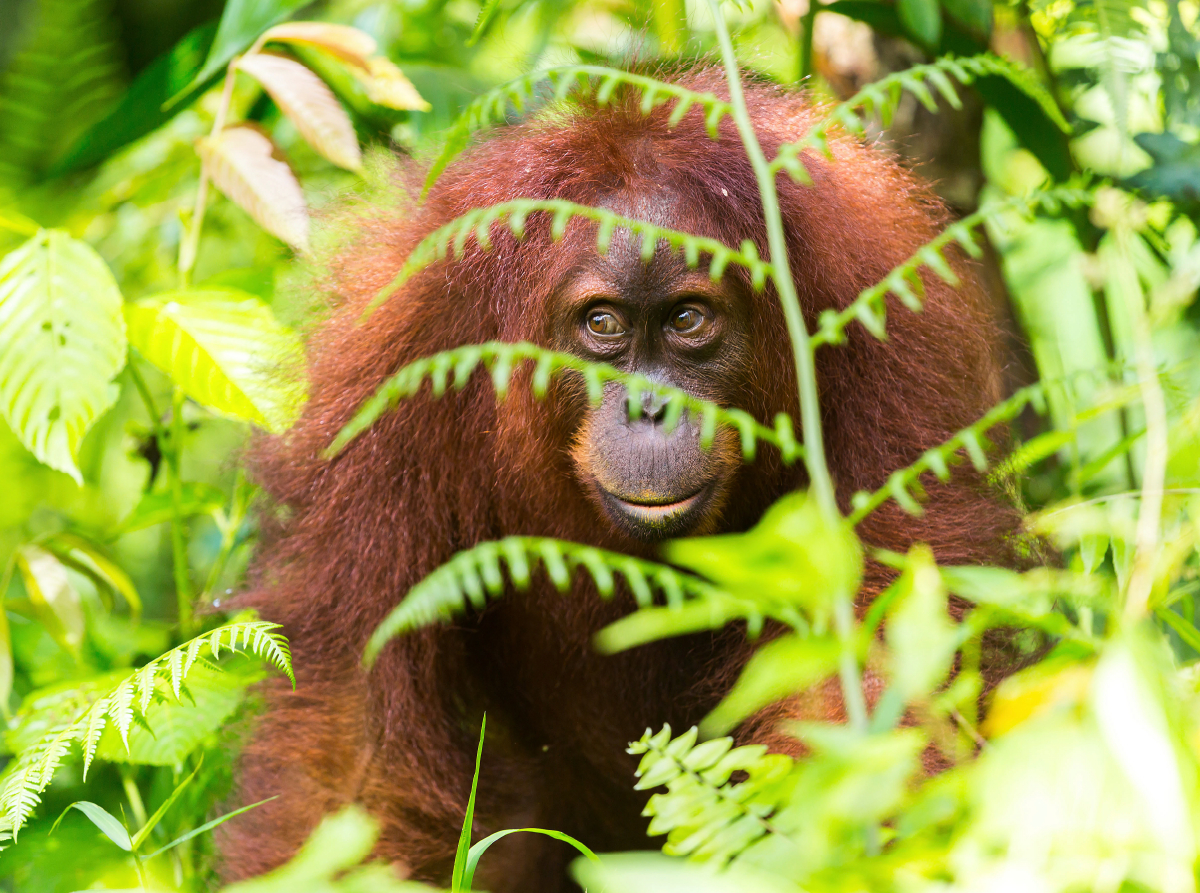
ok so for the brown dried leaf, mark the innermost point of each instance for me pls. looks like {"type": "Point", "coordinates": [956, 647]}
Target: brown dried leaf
{"type": "Point", "coordinates": [310, 104]}
{"type": "Point", "coordinates": [386, 85]}
{"type": "Point", "coordinates": [343, 41]}
{"type": "Point", "coordinates": [240, 160]}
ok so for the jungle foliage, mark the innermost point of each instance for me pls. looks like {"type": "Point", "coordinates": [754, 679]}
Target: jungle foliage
{"type": "Point", "coordinates": [159, 174]}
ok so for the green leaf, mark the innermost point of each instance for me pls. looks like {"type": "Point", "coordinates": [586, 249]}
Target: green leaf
{"type": "Point", "coordinates": [54, 598]}
{"type": "Point", "coordinates": [157, 507]}
{"type": "Point", "coordinates": [480, 848]}
{"type": "Point", "coordinates": [975, 15]}
{"type": "Point", "coordinates": [84, 557]}
{"type": "Point", "coordinates": [922, 20]}
{"type": "Point", "coordinates": [153, 821]}
{"type": "Point", "coordinates": [224, 349]}
{"type": "Point", "coordinates": [793, 556]}
{"type": "Point", "coordinates": [781, 668]}
{"type": "Point", "coordinates": [241, 23]}
{"type": "Point", "coordinates": [921, 638]}
{"type": "Point", "coordinates": [208, 826]}
{"type": "Point", "coordinates": [102, 819]}
{"type": "Point", "coordinates": [140, 110]}
{"type": "Point", "coordinates": [62, 340]}
{"type": "Point", "coordinates": [6, 655]}
{"type": "Point", "coordinates": [461, 857]}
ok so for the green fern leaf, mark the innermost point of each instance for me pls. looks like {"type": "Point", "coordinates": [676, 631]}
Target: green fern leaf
{"type": "Point", "coordinates": [574, 80]}
{"type": "Point", "coordinates": [473, 575]}
{"type": "Point", "coordinates": [62, 78]}
{"type": "Point", "coordinates": [502, 359]}
{"type": "Point", "coordinates": [883, 96]}
{"type": "Point", "coordinates": [62, 340]}
{"type": "Point", "coordinates": [870, 307]}
{"type": "Point", "coordinates": [451, 239]}
{"type": "Point", "coordinates": [131, 710]}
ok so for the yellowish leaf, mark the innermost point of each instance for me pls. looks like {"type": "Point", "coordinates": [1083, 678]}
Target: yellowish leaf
{"type": "Point", "coordinates": [241, 162]}
{"type": "Point", "coordinates": [310, 104]}
{"type": "Point", "coordinates": [345, 42]}
{"type": "Point", "coordinates": [54, 598]}
{"type": "Point", "coordinates": [386, 85]}
{"type": "Point", "coordinates": [1050, 685]}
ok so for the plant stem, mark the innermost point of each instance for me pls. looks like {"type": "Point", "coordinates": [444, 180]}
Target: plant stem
{"type": "Point", "coordinates": [191, 241]}
{"type": "Point", "coordinates": [806, 377]}
{"type": "Point", "coordinates": [183, 586]}
{"type": "Point", "coordinates": [1154, 470]}
{"type": "Point", "coordinates": [820, 483]}
{"type": "Point", "coordinates": [807, 23]}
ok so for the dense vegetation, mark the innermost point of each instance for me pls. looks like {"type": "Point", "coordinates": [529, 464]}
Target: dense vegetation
{"type": "Point", "coordinates": [157, 172]}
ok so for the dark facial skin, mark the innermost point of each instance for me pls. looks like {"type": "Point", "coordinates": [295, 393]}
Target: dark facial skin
{"type": "Point", "coordinates": [675, 326]}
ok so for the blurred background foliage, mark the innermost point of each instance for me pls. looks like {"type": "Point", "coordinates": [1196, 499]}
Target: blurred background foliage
{"type": "Point", "coordinates": [102, 104]}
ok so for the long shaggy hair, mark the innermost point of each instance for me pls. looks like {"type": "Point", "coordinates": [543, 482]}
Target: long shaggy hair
{"type": "Point", "coordinates": [437, 476]}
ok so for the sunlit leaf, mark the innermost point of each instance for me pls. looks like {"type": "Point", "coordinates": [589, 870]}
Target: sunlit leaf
{"type": "Point", "coordinates": [62, 340]}
{"type": "Point", "coordinates": [241, 162]}
{"type": "Point", "coordinates": [241, 22]}
{"type": "Point", "coordinates": [54, 598]}
{"type": "Point", "coordinates": [224, 349]}
{"type": "Point", "coordinates": [920, 635]}
{"type": "Point", "coordinates": [386, 85]}
{"type": "Point", "coordinates": [781, 668]}
{"type": "Point", "coordinates": [310, 104]}
{"type": "Point", "coordinates": [347, 43]}
{"type": "Point", "coordinates": [89, 560]}
{"type": "Point", "coordinates": [102, 819]}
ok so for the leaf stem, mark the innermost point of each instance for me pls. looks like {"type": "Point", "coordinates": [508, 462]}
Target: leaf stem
{"type": "Point", "coordinates": [191, 241]}
{"type": "Point", "coordinates": [807, 23]}
{"type": "Point", "coordinates": [806, 377]}
{"type": "Point", "coordinates": [183, 586]}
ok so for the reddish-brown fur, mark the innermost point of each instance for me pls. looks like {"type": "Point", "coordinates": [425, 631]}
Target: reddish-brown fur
{"type": "Point", "coordinates": [437, 476]}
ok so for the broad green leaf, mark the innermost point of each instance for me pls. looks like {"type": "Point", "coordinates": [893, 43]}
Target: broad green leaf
{"type": "Point", "coordinates": [793, 556]}
{"type": "Point", "coordinates": [141, 109]}
{"type": "Point", "coordinates": [975, 15]}
{"type": "Point", "coordinates": [54, 598]}
{"type": "Point", "coordinates": [339, 843]}
{"type": "Point", "coordinates": [922, 20]}
{"type": "Point", "coordinates": [311, 106]}
{"type": "Point", "coordinates": [102, 819]}
{"type": "Point", "coordinates": [920, 635]}
{"type": "Point", "coordinates": [157, 507]}
{"type": "Point", "coordinates": [62, 340]}
{"type": "Point", "coordinates": [781, 668]}
{"type": "Point", "coordinates": [241, 162]}
{"type": "Point", "coordinates": [224, 349]}
{"type": "Point", "coordinates": [241, 23]}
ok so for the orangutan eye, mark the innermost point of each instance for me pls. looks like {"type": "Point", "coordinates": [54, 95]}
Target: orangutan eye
{"type": "Point", "coordinates": [688, 320]}
{"type": "Point", "coordinates": [604, 324]}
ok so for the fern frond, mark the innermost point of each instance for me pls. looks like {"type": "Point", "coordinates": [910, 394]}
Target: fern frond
{"type": "Point", "coordinates": [870, 307]}
{"type": "Point", "coordinates": [452, 238]}
{"type": "Point", "coordinates": [883, 96]}
{"type": "Point", "coordinates": [589, 80]}
{"type": "Point", "coordinates": [474, 575]}
{"type": "Point", "coordinates": [32, 770]}
{"type": "Point", "coordinates": [502, 359]}
{"type": "Point", "coordinates": [703, 814]}
{"type": "Point", "coordinates": [904, 483]}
